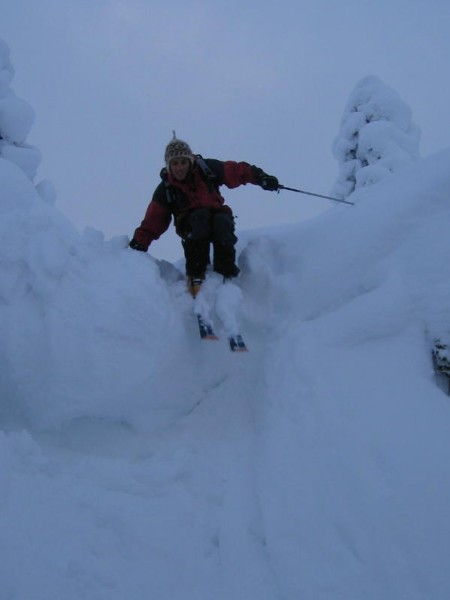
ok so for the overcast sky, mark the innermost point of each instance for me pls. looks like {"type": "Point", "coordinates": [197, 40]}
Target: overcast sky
{"type": "Point", "coordinates": [264, 82]}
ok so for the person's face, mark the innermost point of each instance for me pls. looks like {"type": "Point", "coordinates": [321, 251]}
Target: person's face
{"type": "Point", "coordinates": [179, 167]}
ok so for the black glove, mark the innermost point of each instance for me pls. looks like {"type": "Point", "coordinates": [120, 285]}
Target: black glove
{"type": "Point", "coordinates": [267, 182]}
{"type": "Point", "coordinates": [137, 246]}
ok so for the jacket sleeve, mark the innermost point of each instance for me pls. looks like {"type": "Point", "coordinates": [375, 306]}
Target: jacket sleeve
{"type": "Point", "coordinates": [233, 174]}
{"type": "Point", "coordinates": [155, 223]}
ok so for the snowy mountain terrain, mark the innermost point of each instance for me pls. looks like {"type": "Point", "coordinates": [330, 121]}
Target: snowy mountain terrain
{"type": "Point", "coordinates": [138, 461]}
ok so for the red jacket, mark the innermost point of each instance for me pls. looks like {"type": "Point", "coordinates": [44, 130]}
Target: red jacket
{"type": "Point", "coordinates": [177, 198]}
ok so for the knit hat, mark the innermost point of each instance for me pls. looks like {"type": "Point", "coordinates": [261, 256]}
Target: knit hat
{"type": "Point", "coordinates": [177, 149]}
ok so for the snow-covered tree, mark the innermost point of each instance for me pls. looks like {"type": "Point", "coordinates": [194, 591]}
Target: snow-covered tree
{"type": "Point", "coordinates": [377, 137]}
{"type": "Point", "coordinates": [16, 120]}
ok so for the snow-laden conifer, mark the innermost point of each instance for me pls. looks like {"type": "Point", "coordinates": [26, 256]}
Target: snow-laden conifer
{"type": "Point", "coordinates": [377, 136]}
{"type": "Point", "coordinates": [16, 120]}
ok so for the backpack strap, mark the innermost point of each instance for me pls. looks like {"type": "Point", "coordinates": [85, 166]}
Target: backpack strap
{"type": "Point", "coordinates": [169, 192]}
{"type": "Point", "coordinates": [208, 173]}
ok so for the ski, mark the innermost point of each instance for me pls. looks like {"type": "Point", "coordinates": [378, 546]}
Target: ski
{"type": "Point", "coordinates": [202, 312]}
{"type": "Point", "coordinates": [237, 344]}
{"type": "Point", "coordinates": [206, 329]}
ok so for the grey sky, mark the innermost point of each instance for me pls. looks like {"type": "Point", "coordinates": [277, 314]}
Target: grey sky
{"type": "Point", "coordinates": [259, 81]}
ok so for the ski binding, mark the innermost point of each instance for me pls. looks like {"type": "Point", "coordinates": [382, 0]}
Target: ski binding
{"type": "Point", "coordinates": [237, 344]}
{"type": "Point", "coordinates": [205, 329]}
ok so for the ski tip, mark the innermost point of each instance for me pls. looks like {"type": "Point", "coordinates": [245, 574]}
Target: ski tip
{"type": "Point", "coordinates": [237, 344]}
{"type": "Point", "coordinates": [205, 329]}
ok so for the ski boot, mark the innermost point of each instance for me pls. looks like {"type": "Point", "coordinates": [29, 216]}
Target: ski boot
{"type": "Point", "coordinates": [194, 285]}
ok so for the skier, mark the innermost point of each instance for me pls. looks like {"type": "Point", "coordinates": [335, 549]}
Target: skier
{"type": "Point", "coordinates": [189, 191]}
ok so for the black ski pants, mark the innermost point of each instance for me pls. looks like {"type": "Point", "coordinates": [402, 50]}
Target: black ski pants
{"type": "Point", "coordinates": [202, 227]}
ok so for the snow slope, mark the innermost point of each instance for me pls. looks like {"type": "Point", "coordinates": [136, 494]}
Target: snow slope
{"type": "Point", "coordinates": [140, 462]}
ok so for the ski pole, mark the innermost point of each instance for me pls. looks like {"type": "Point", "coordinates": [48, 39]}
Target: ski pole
{"type": "Point", "coordinates": [283, 187]}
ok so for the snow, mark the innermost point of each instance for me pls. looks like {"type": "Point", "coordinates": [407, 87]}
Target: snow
{"type": "Point", "coordinates": [377, 137]}
{"type": "Point", "coordinates": [138, 461]}
{"type": "Point", "coordinates": [16, 121]}
{"type": "Point", "coordinates": [6, 69]}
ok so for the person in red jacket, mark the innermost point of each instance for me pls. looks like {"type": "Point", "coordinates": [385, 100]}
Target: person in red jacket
{"type": "Point", "coordinates": [189, 192]}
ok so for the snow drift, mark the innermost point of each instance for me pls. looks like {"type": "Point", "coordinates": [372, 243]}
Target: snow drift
{"type": "Point", "coordinates": [315, 466]}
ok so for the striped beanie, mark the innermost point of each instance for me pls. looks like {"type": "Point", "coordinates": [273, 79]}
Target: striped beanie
{"type": "Point", "coordinates": [177, 149]}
